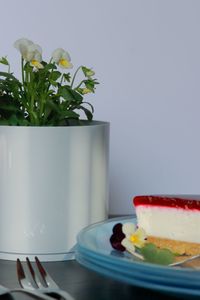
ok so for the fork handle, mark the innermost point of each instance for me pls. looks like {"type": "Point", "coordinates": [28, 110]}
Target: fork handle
{"type": "Point", "coordinates": [34, 293]}
{"type": "Point", "coordinates": [59, 294]}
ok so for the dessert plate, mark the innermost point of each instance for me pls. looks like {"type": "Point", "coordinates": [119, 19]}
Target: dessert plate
{"type": "Point", "coordinates": [95, 252]}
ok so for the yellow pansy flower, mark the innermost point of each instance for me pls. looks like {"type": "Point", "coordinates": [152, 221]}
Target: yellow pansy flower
{"type": "Point", "coordinates": [86, 91]}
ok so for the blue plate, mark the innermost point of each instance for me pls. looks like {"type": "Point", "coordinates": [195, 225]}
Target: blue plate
{"type": "Point", "coordinates": [95, 252]}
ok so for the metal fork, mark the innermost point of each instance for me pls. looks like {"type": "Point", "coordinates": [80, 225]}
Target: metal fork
{"type": "Point", "coordinates": [186, 262]}
{"type": "Point", "coordinates": [48, 287]}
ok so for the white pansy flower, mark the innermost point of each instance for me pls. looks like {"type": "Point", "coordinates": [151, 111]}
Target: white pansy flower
{"type": "Point", "coordinates": [34, 56]}
{"type": "Point", "coordinates": [30, 52]}
{"type": "Point", "coordinates": [62, 58]}
{"type": "Point", "coordinates": [134, 237]}
{"type": "Point", "coordinates": [128, 246]}
{"type": "Point", "coordinates": [22, 45]}
{"type": "Point", "coordinates": [36, 61]}
{"type": "Point", "coordinates": [128, 228]}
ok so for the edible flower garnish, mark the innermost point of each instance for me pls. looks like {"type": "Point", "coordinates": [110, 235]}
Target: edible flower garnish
{"type": "Point", "coordinates": [128, 237]}
{"type": "Point", "coordinates": [117, 237]}
{"type": "Point", "coordinates": [134, 237]}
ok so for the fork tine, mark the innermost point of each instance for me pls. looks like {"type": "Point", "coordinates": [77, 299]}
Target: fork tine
{"type": "Point", "coordinates": [20, 272]}
{"type": "Point", "coordinates": [35, 279]}
{"type": "Point", "coordinates": [38, 289]}
{"type": "Point", "coordinates": [23, 281]}
{"type": "Point", "coordinates": [26, 285]}
{"type": "Point", "coordinates": [45, 276]}
{"type": "Point", "coordinates": [40, 268]}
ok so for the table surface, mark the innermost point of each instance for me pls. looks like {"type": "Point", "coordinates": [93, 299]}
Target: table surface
{"type": "Point", "coordinates": [81, 283]}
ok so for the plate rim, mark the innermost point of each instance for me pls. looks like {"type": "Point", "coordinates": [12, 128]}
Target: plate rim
{"type": "Point", "coordinates": [170, 289]}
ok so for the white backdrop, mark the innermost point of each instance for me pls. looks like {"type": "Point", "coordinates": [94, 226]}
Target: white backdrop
{"type": "Point", "coordinates": [146, 54]}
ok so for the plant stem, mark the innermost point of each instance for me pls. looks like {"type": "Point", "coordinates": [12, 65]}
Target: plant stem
{"type": "Point", "coordinates": [79, 84]}
{"type": "Point", "coordinates": [75, 75]}
{"type": "Point", "coordinates": [42, 101]}
{"type": "Point", "coordinates": [32, 88]}
{"type": "Point", "coordinates": [51, 70]}
{"type": "Point", "coordinates": [61, 81]}
{"type": "Point", "coordinates": [22, 66]}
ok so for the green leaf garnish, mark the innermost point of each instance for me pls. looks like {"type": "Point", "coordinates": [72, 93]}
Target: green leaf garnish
{"type": "Point", "coordinates": [158, 256]}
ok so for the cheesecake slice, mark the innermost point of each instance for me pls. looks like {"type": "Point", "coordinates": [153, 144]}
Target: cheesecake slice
{"type": "Point", "coordinates": [170, 222]}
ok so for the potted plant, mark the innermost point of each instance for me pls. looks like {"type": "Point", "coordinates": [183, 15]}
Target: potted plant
{"type": "Point", "coordinates": [53, 164]}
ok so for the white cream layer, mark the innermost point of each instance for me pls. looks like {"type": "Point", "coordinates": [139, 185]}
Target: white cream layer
{"type": "Point", "coordinates": [171, 223]}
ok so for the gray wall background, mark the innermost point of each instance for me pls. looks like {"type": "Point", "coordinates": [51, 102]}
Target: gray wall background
{"type": "Point", "coordinates": [146, 54]}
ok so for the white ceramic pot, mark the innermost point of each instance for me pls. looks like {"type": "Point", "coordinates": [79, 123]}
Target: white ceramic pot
{"type": "Point", "coordinates": [53, 182]}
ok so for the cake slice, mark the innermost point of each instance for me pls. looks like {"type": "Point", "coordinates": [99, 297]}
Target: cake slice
{"type": "Point", "coordinates": [170, 222]}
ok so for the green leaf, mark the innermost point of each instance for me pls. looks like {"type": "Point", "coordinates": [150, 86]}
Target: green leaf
{"type": "Point", "coordinates": [70, 114]}
{"type": "Point", "coordinates": [158, 256]}
{"type": "Point", "coordinates": [4, 122]}
{"type": "Point", "coordinates": [90, 84]}
{"type": "Point", "coordinates": [87, 112]}
{"type": "Point", "coordinates": [49, 66]}
{"type": "Point", "coordinates": [76, 96]}
{"type": "Point", "coordinates": [13, 120]}
{"type": "Point", "coordinates": [54, 83]}
{"type": "Point", "coordinates": [91, 106]}
{"type": "Point", "coordinates": [23, 122]}
{"type": "Point", "coordinates": [65, 93]}
{"type": "Point", "coordinates": [67, 77]}
{"type": "Point", "coordinates": [4, 61]}
{"type": "Point", "coordinates": [8, 75]}
{"type": "Point", "coordinates": [28, 67]}
{"type": "Point", "coordinates": [53, 106]}
{"type": "Point", "coordinates": [70, 95]}
{"type": "Point", "coordinates": [8, 107]}
{"type": "Point", "coordinates": [55, 75]}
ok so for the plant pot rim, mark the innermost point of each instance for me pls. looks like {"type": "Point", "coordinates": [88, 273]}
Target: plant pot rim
{"type": "Point", "coordinates": [85, 123]}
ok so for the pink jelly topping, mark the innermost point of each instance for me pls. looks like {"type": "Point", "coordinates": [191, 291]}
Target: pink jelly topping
{"type": "Point", "coordinates": [167, 201]}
